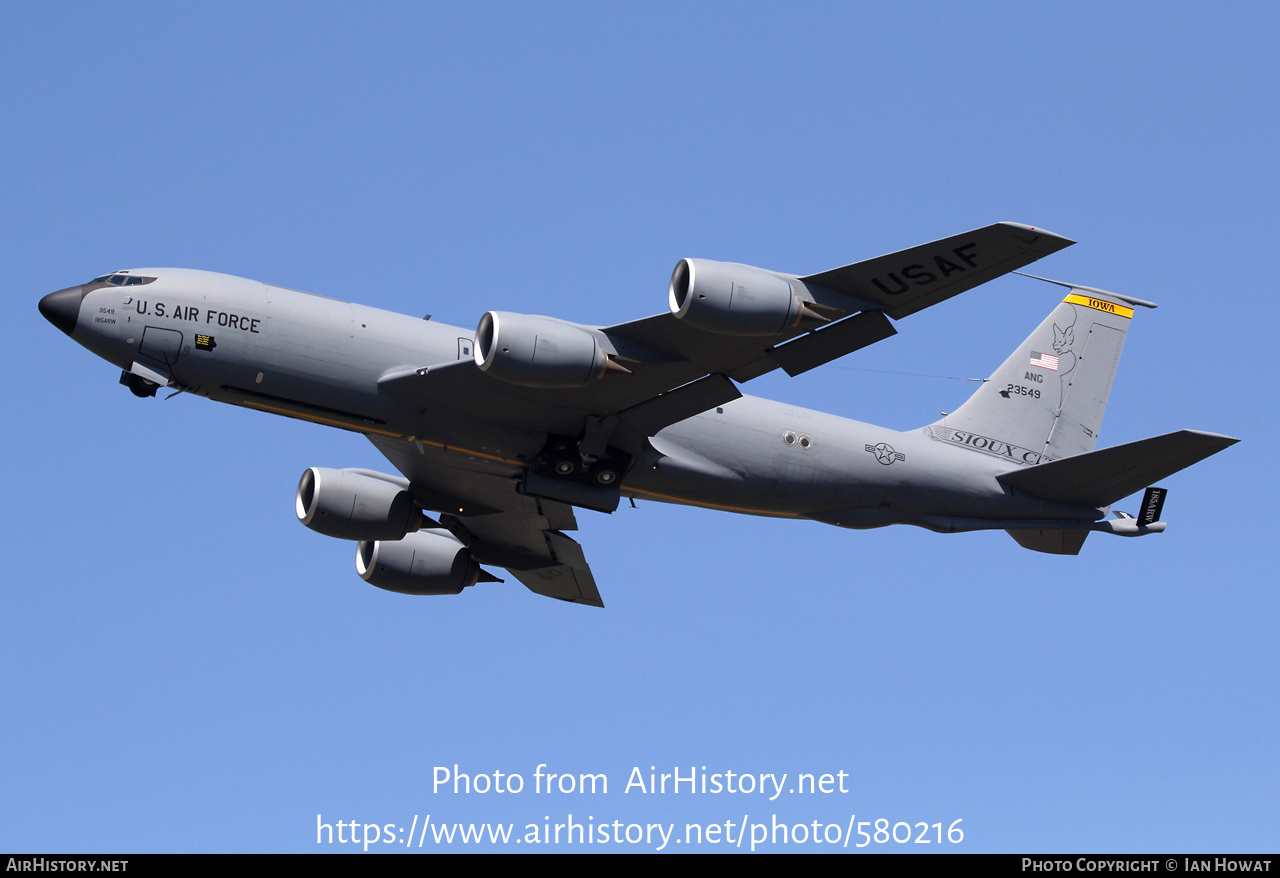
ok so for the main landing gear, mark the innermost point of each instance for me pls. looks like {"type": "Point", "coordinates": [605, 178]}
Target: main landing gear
{"type": "Point", "coordinates": [565, 460]}
{"type": "Point", "coordinates": [564, 472]}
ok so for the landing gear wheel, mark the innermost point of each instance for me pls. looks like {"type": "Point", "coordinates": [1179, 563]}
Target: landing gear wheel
{"type": "Point", "coordinates": [139, 386]}
{"type": "Point", "coordinates": [565, 463]}
{"type": "Point", "coordinates": [605, 472]}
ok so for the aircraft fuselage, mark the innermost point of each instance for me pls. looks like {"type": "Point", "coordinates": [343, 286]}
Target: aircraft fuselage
{"type": "Point", "coordinates": [319, 359]}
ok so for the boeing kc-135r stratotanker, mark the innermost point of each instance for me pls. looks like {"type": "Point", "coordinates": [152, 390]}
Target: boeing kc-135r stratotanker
{"type": "Point", "coordinates": [501, 432]}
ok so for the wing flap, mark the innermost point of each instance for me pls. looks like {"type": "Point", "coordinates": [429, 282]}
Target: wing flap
{"type": "Point", "coordinates": [833, 342]}
{"type": "Point", "coordinates": [563, 581]}
{"type": "Point", "coordinates": [692, 399]}
{"type": "Point", "coordinates": [545, 560]}
{"type": "Point", "coordinates": [499, 526]}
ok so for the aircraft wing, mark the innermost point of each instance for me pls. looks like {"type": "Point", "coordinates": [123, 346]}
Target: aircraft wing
{"type": "Point", "coordinates": [911, 280]}
{"type": "Point", "coordinates": [676, 370]}
{"type": "Point", "coordinates": [502, 528]}
{"type": "Point", "coordinates": [671, 370]}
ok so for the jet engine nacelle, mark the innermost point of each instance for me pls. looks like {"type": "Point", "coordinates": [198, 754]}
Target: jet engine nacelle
{"type": "Point", "coordinates": [352, 506]}
{"type": "Point", "coordinates": [733, 299]}
{"type": "Point", "coordinates": [431, 561]}
{"type": "Point", "coordinates": [538, 351]}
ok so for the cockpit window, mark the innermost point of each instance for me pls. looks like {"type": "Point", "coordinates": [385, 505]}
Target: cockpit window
{"type": "Point", "coordinates": [119, 279]}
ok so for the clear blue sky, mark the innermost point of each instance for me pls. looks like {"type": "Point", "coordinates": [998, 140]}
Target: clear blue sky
{"type": "Point", "coordinates": [188, 669]}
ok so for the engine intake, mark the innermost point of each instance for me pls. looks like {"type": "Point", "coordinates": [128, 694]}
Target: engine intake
{"type": "Point", "coordinates": [431, 561]}
{"type": "Point", "coordinates": [353, 506]}
{"type": "Point", "coordinates": [538, 351]}
{"type": "Point", "coordinates": [733, 299]}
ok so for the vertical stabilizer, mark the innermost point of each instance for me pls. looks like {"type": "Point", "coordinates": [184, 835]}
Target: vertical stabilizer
{"type": "Point", "coordinates": [1046, 402]}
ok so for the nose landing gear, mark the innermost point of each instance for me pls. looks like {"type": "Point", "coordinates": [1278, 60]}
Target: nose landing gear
{"type": "Point", "coordinates": [138, 385]}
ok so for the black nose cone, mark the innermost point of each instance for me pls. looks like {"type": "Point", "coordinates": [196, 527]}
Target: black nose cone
{"type": "Point", "coordinates": [63, 307]}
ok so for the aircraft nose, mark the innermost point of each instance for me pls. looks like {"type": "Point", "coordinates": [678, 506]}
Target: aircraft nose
{"type": "Point", "coordinates": [63, 307]}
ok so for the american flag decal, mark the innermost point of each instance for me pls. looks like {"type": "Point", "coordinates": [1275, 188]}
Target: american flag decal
{"type": "Point", "coordinates": [1044, 361]}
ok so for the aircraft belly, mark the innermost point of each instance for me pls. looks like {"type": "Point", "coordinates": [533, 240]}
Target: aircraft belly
{"type": "Point", "coordinates": [763, 457]}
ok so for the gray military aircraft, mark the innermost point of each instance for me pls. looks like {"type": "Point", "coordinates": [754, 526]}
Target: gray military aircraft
{"type": "Point", "coordinates": [502, 431]}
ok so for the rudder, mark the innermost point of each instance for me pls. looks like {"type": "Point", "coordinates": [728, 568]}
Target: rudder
{"type": "Point", "coordinates": [1047, 400]}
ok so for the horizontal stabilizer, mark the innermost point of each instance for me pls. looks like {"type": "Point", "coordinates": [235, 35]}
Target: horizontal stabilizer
{"type": "Point", "coordinates": [1100, 478]}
